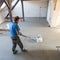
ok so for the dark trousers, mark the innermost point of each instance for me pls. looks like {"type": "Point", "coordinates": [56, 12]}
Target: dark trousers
{"type": "Point", "coordinates": [15, 41]}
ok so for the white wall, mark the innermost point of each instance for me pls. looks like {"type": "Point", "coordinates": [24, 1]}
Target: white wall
{"type": "Point", "coordinates": [50, 11]}
{"type": "Point", "coordinates": [3, 14]}
{"type": "Point", "coordinates": [58, 19]}
{"type": "Point", "coordinates": [56, 15]}
{"type": "Point", "coordinates": [53, 16]}
{"type": "Point", "coordinates": [31, 9]}
{"type": "Point", "coordinates": [1, 19]}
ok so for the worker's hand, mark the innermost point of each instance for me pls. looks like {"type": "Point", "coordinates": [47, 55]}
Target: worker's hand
{"type": "Point", "coordinates": [19, 33]}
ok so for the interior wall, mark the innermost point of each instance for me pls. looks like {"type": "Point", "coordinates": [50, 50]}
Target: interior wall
{"type": "Point", "coordinates": [50, 11]}
{"type": "Point", "coordinates": [31, 9]}
{"type": "Point", "coordinates": [3, 13]}
{"type": "Point", "coordinates": [56, 15]}
{"type": "Point", "coordinates": [1, 19]}
{"type": "Point", "coordinates": [53, 16]}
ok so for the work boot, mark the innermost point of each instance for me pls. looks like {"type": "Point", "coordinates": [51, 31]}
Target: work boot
{"type": "Point", "coordinates": [24, 50]}
{"type": "Point", "coordinates": [15, 52]}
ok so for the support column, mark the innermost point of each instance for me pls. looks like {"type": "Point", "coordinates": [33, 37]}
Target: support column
{"type": "Point", "coordinates": [8, 3]}
{"type": "Point", "coordinates": [13, 7]}
{"type": "Point", "coordinates": [22, 9]}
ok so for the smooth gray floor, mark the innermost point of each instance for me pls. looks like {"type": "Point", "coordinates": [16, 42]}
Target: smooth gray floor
{"type": "Point", "coordinates": [37, 22]}
{"type": "Point", "coordinates": [45, 50]}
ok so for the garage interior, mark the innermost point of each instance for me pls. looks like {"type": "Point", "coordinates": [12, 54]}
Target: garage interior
{"type": "Point", "coordinates": [37, 17]}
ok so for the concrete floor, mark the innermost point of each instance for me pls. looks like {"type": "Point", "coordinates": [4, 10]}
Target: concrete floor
{"type": "Point", "coordinates": [36, 51]}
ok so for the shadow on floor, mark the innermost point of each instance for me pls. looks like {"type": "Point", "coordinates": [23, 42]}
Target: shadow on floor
{"type": "Point", "coordinates": [41, 55]}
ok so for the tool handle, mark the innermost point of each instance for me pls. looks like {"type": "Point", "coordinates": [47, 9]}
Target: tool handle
{"type": "Point", "coordinates": [25, 36]}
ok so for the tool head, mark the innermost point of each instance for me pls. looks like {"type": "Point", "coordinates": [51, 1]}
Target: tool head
{"type": "Point", "coordinates": [39, 38]}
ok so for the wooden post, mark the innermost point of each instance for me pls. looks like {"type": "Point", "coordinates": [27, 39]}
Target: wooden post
{"type": "Point", "coordinates": [9, 8]}
{"type": "Point", "coordinates": [12, 8]}
{"type": "Point", "coordinates": [55, 2]}
{"type": "Point", "coordinates": [22, 9]}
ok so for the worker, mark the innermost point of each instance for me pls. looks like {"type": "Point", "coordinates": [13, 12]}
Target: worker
{"type": "Point", "coordinates": [14, 33]}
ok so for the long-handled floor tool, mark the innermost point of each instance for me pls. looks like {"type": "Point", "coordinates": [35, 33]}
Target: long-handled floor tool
{"type": "Point", "coordinates": [38, 38]}
{"type": "Point", "coordinates": [28, 37]}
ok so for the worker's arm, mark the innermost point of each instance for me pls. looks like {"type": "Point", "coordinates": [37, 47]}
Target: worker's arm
{"type": "Point", "coordinates": [18, 30]}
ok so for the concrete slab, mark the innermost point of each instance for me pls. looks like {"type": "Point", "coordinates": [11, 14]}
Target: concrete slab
{"type": "Point", "coordinates": [36, 51]}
